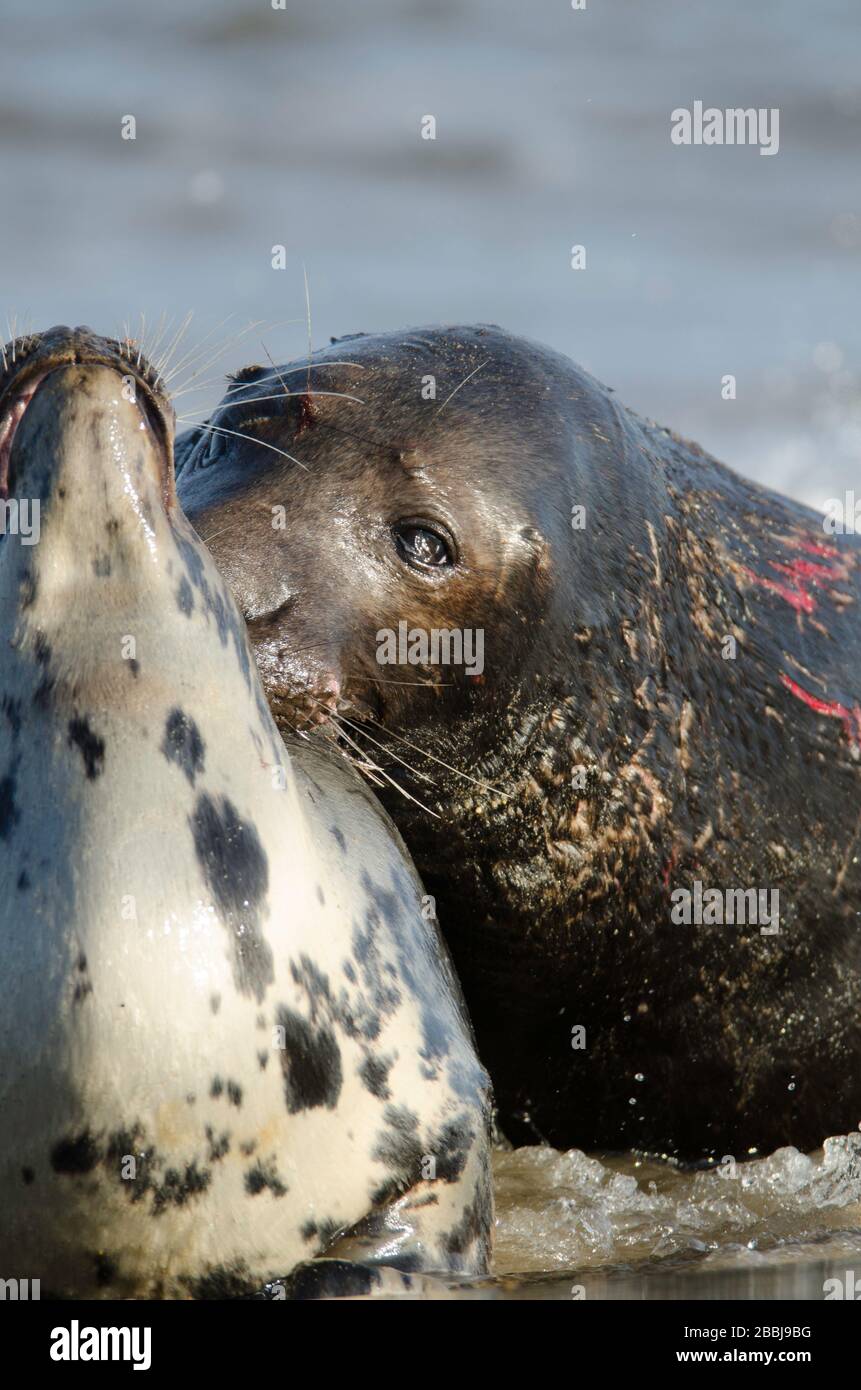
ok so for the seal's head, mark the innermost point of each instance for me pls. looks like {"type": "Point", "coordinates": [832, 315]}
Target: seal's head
{"type": "Point", "coordinates": [396, 488]}
{"type": "Point", "coordinates": [100, 571]}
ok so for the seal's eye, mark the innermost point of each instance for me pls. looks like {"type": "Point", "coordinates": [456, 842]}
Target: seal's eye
{"type": "Point", "coordinates": [422, 546]}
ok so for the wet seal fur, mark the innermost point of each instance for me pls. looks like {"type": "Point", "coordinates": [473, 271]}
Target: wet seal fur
{"type": "Point", "coordinates": [229, 1039]}
{"type": "Point", "coordinates": [635, 758]}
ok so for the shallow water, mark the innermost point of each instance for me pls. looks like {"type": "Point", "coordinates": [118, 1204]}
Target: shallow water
{"type": "Point", "coordinates": [624, 1227]}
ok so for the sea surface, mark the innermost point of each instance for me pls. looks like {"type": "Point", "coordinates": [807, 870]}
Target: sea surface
{"type": "Point", "coordinates": [300, 127]}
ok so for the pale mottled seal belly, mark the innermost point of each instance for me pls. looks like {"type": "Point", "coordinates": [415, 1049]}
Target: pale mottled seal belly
{"type": "Point", "coordinates": [229, 1040]}
{"type": "Point", "coordinates": [670, 703]}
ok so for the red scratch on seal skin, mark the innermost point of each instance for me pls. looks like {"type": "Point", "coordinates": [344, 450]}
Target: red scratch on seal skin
{"type": "Point", "coordinates": [796, 595]}
{"type": "Point", "coordinates": [803, 575]}
{"type": "Point", "coordinates": [851, 718]}
{"type": "Point", "coordinates": [818, 548]}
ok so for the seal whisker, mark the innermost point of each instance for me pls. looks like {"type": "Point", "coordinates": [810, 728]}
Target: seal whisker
{"type": "Point", "coordinates": [174, 343]}
{"type": "Point", "coordinates": [275, 369]}
{"type": "Point", "coordinates": [467, 378]}
{"type": "Point", "coordinates": [253, 400]}
{"type": "Point", "coordinates": [150, 349]}
{"type": "Point", "coordinates": [425, 685]}
{"type": "Point", "coordinates": [377, 744]}
{"type": "Point", "coordinates": [308, 316]}
{"type": "Point", "coordinates": [198, 349]}
{"type": "Point", "coordinates": [187, 362]}
{"type": "Point", "coordinates": [288, 371]}
{"type": "Point", "coordinates": [205, 346]}
{"type": "Point", "coordinates": [398, 788]}
{"type": "Point", "coordinates": [487, 786]}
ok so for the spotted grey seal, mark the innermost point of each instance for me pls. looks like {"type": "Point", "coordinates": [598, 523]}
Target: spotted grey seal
{"type": "Point", "coordinates": [229, 1038]}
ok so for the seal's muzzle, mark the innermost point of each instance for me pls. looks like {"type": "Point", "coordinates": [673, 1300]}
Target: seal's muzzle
{"type": "Point", "coordinates": [27, 362]}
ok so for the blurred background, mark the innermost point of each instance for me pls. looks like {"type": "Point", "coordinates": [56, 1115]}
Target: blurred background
{"type": "Point", "coordinates": [301, 126]}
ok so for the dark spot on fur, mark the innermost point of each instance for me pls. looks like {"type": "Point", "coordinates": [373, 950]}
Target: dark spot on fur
{"type": "Point", "coordinates": [374, 1072]}
{"type": "Point", "coordinates": [311, 1063]}
{"type": "Point", "coordinates": [263, 1060]}
{"type": "Point", "coordinates": [399, 1149]}
{"type": "Point", "coordinates": [42, 649]}
{"type": "Point", "coordinates": [102, 566]}
{"type": "Point", "coordinates": [383, 990]}
{"type": "Point", "coordinates": [43, 692]}
{"type": "Point", "coordinates": [217, 1087]}
{"type": "Point", "coordinates": [247, 1147]}
{"type": "Point", "coordinates": [222, 1282]}
{"type": "Point", "coordinates": [177, 1188]}
{"type": "Point", "coordinates": [262, 1176]}
{"type": "Point", "coordinates": [387, 905]}
{"type": "Point", "coordinates": [75, 1155]}
{"type": "Point", "coordinates": [125, 1144]}
{"type": "Point", "coordinates": [23, 881]}
{"type": "Point", "coordinates": [185, 597]}
{"type": "Point", "coordinates": [334, 1279]}
{"type": "Point", "coordinates": [134, 666]}
{"type": "Point", "coordinates": [452, 1148]}
{"type": "Point", "coordinates": [27, 589]}
{"type": "Point", "coordinates": [218, 1148]}
{"type": "Point", "coordinates": [234, 1094]}
{"type": "Point", "coordinates": [90, 746]}
{"type": "Point", "coordinates": [27, 1176]}
{"type": "Point", "coordinates": [324, 1231]}
{"type": "Point", "coordinates": [321, 896]}
{"type": "Point", "coordinates": [82, 989]}
{"type": "Point", "coordinates": [9, 813]}
{"type": "Point", "coordinates": [215, 1002]}
{"type": "Point", "coordinates": [339, 838]}
{"type": "Point", "coordinates": [12, 710]}
{"type": "Point", "coordinates": [182, 744]}
{"type": "Point", "coordinates": [106, 1270]}
{"type": "Point", "coordinates": [475, 1223]}
{"type": "Point", "coordinates": [236, 870]}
